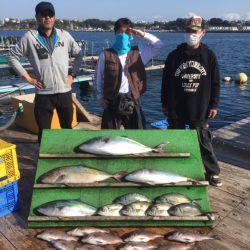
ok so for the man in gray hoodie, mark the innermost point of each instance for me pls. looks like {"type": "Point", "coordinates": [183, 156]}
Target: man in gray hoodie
{"type": "Point", "coordinates": [48, 50]}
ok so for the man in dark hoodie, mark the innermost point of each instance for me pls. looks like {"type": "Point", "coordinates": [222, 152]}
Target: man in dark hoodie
{"type": "Point", "coordinates": [191, 90]}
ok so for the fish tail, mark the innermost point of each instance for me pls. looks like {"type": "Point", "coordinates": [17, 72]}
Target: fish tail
{"type": "Point", "coordinates": [158, 148]}
{"type": "Point", "coordinates": [195, 182]}
{"type": "Point", "coordinates": [77, 149]}
{"type": "Point", "coordinates": [118, 176]}
{"type": "Point", "coordinates": [211, 216]}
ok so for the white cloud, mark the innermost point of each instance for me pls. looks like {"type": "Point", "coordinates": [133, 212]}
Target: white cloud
{"type": "Point", "coordinates": [232, 16]}
{"type": "Point", "coordinates": [191, 14]}
{"type": "Point", "coordinates": [247, 16]}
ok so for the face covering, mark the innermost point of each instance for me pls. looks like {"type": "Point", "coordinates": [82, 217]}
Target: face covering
{"type": "Point", "coordinates": [122, 44]}
{"type": "Point", "coordinates": [193, 39]}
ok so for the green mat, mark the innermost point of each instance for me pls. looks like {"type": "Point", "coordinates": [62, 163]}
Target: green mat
{"type": "Point", "coordinates": [63, 141]}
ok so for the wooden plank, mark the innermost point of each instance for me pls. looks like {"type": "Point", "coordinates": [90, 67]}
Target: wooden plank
{"type": "Point", "coordinates": [152, 155]}
{"type": "Point", "coordinates": [119, 218]}
{"type": "Point", "coordinates": [82, 113]}
{"type": "Point", "coordinates": [233, 231]}
{"type": "Point", "coordinates": [235, 180]}
{"type": "Point", "coordinates": [245, 205]}
{"type": "Point", "coordinates": [222, 202]}
{"type": "Point", "coordinates": [19, 237]}
{"type": "Point", "coordinates": [117, 185]}
{"type": "Point", "coordinates": [5, 244]}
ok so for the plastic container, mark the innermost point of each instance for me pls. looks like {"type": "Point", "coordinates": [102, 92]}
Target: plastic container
{"type": "Point", "coordinates": [163, 124]}
{"type": "Point", "coordinates": [8, 198]}
{"type": "Point", "coordinates": [8, 163]}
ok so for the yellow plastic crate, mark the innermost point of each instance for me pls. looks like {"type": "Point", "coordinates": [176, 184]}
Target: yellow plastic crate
{"type": "Point", "coordinates": [9, 171]}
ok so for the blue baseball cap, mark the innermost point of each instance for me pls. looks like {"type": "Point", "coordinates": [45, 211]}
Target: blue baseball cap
{"type": "Point", "coordinates": [45, 6]}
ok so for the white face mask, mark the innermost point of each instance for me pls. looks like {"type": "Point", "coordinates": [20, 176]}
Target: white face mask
{"type": "Point", "coordinates": [193, 39]}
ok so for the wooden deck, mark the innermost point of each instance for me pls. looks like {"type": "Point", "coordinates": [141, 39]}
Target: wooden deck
{"type": "Point", "coordinates": [231, 202]}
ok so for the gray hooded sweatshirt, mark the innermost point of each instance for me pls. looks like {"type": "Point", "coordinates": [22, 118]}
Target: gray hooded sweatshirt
{"type": "Point", "coordinates": [50, 69]}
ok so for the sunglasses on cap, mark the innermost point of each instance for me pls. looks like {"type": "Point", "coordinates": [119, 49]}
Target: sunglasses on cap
{"type": "Point", "coordinates": [46, 13]}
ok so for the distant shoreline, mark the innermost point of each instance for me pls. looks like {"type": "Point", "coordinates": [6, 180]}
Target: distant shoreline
{"type": "Point", "coordinates": [110, 31]}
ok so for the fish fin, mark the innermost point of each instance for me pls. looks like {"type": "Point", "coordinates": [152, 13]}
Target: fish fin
{"type": "Point", "coordinates": [60, 178]}
{"type": "Point", "coordinates": [216, 237]}
{"type": "Point", "coordinates": [118, 176]}
{"type": "Point", "coordinates": [158, 148]}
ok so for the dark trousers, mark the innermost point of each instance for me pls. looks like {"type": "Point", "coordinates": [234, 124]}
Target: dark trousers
{"type": "Point", "coordinates": [205, 140]}
{"type": "Point", "coordinates": [112, 120]}
{"type": "Point", "coordinates": [44, 108]}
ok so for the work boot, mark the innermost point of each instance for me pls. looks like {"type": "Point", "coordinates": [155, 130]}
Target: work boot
{"type": "Point", "coordinates": [215, 180]}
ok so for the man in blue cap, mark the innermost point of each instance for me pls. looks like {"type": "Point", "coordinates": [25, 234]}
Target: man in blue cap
{"type": "Point", "coordinates": [48, 50]}
{"type": "Point", "coordinates": [191, 91]}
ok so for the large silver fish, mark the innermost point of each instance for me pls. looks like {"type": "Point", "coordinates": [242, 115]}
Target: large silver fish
{"type": "Point", "coordinates": [115, 145]}
{"type": "Point", "coordinates": [64, 245]}
{"type": "Point", "coordinates": [154, 177]}
{"type": "Point", "coordinates": [131, 197]}
{"type": "Point", "coordinates": [140, 236]}
{"type": "Point", "coordinates": [173, 198]}
{"type": "Point", "coordinates": [158, 209]}
{"type": "Point", "coordinates": [66, 208]}
{"type": "Point", "coordinates": [138, 246]}
{"type": "Point", "coordinates": [110, 210]}
{"type": "Point", "coordinates": [102, 239]}
{"type": "Point", "coordinates": [186, 209]}
{"type": "Point", "coordinates": [137, 208]}
{"type": "Point", "coordinates": [82, 231]}
{"type": "Point", "coordinates": [188, 237]}
{"type": "Point", "coordinates": [52, 235]}
{"type": "Point", "coordinates": [77, 175]}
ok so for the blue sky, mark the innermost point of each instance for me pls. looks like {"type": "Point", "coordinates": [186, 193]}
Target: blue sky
{"type": "Point", "coordinates": [134, 9]}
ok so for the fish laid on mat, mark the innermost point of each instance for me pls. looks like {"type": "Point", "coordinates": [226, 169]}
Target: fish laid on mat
{"type": "Point", "coordinates": [138, 246]}
{"type": "Point", "coordinates": [173, 198]}
{"type": "Point", "coordinates": [131, 197]}
{"type": "Point", "coordinates": [82, 231]}
{"type": "Point", "coordinates": [89, 247]}
{"type": "Point", "coordinates": [52, 234]}
{"type": "Point", "coordinates": [175, 246]}
{"type": "Point", "coordinates": [137, 208]}
{"type": "Point", "coordinates": [154, 177]}
{"type": "Point", "coordinates": [158, 209]}
{"type": "Point", "coordinates": [102, 239]}
{"type": "Point", "coordinates": [186, 209]}
{"type": "Point", "coordinates": [115, 145]}
{"type": "Point", "coordinates": [110, 210]}
{"type": "Point", "coordinates": [77, 175]}
{"type": "Point", "coordinates": [64, 245]}
{"type": "Point", "coordinates": [188, 237]}
{"type": "Point", "coordinates": [140, 236]}
{"type": "Point", "coordinates": [66, 208]}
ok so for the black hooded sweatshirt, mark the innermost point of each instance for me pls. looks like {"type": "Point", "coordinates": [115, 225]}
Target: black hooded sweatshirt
{"type": "Point", "coordinates": [190, 84]}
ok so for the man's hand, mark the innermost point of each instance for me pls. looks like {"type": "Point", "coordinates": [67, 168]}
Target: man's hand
{"type": "Point", "coordinates": [136, 32]}
{"type": "Point", "coordinates": [34, 81]}
{"type": "Point", "coordinates": [70, 79]}
{"type": "Point", "coordinates": [104, 103]}
{"type": "Point", "coordinates": [165, 111]}
{"type": "Point", "coordinates": [212, 113]}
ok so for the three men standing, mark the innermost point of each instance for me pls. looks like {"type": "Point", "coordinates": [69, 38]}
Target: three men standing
{"type": "Point", "coordinates": [190, 83]}
{"type": "Point", "coordinates": [48, 50]}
